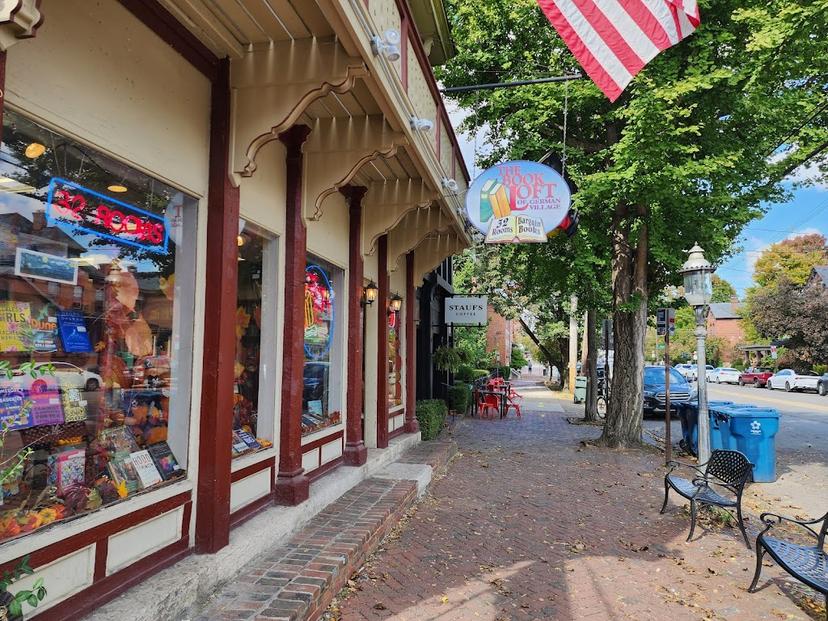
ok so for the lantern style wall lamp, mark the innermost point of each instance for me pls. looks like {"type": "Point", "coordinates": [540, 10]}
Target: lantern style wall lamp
{"type": "Point", "coordinates": [394, 304]}
{"type": "Point", "coordinates": [369, 294]}
{"type": "Point", "coordinates": [388, 45]}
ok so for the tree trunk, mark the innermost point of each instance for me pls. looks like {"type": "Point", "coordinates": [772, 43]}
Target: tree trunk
{"type": "Point", "coordinates": [629, 298]}
{"type": "Point", "coordinates": [591, 404]}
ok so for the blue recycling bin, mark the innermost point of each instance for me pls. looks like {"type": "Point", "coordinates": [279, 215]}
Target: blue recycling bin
{"type": "Point", "coordinates": [753, 432]}
{"type": "Point", "coordinates": [721, 436]}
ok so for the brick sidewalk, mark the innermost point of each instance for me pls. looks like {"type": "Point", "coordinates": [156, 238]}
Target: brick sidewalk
{"type": "Point", "coordinates": [529, 525]}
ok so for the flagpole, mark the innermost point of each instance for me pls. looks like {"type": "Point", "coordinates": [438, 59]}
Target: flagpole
{"type": "Point", "coordinates": [493, 85]}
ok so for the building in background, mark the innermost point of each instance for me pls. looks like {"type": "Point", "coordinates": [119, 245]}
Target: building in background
{"type": "Point", "coordinates": [725, 322]}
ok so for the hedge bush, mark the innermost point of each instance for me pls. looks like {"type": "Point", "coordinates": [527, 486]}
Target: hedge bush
{"type": "Point", "coordinates": [459, 397]}
{"type": "Point", "coordinates": [464, 374]}
{"type": "Point", "coordinates": [503, 371]}
{"type": "Point", "coordinates": [479, 373]}
{"type": "Point", "coordinates": [431, 414]}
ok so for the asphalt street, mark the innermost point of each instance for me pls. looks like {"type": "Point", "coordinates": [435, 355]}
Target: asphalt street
{"type": "Point", "coordinates": [801, 445]}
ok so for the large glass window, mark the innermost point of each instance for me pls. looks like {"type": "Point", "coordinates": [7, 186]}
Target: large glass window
{"type": "Point", "coordinates": [320, 395]}
{"type": "Point", "coordinates": [97, 270]}
{"type": "Point", "coordinates": [254, 327]}
{"type": "Point", "coordinates": [394, 360]}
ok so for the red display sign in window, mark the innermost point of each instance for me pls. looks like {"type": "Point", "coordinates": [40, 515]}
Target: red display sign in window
{"type": "Point", "coordinates": [104, 216]}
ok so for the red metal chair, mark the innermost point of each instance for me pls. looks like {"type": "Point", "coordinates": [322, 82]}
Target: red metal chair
{"type": "Point", "coordinates": [511, 403]}
{"type": "Point", "coordinates": [487, 404]}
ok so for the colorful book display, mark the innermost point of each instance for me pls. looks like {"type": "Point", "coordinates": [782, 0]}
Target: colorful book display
{"type": "Point", "coordinates": [73, 334]}
{"type": "Point", "coordinates": [164, 460]}
{"type": "Point", "coordinates": [249, 439]}
{"type": "Point", "coordinates": [15, 327]}
{"type": "Point", "coordinates": [15, 411]}
{"type": "Point", "coordinates": [46, 401]}
{"type": "Point", "coordinates": [67, 468]}
{"type": "Point", "coordinates": [145, 468]}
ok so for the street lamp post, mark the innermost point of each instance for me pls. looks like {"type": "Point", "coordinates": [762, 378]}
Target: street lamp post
{"type": "Point", "coordinates": [698, 290]}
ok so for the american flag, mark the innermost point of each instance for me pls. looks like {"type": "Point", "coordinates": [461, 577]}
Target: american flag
{"type": "Point", "coordinates": [614, 39]}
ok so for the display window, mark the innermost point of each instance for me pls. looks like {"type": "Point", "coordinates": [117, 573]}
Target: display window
{"type": "Point", "coordinates": [394, 360]}
{"type": "Point", "coordinates": [320, 394]}
{"type": "Point", "coordinates": [254, 300]}
{"type": "Point", "coordinates": [97, 272]}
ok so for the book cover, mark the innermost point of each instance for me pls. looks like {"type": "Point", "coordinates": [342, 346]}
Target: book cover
{"type": "Point", "coordinates": [71, 469]}
{"type": "Point", "coordinates": [44, 328]}
{"type": "Point", "coordinates": [74, 405]}
{"type": "Point", "coordinates": [46, 405]}
{"type": "Point", "coordinates": [121, 469]}
{"type": "Point", "coordinates": [15, 326]}
{"type": "Point", "coordinates": [249, 439]}
{"type": "Point", "coordinates": [486, 210]}
{"type": "Point", "coordinates": [164, 460]}
{"type": "Point", "coordinates": [118, 440]}
{"type": "Point", "coordinates": [145, 467]}
{"type": "Point", "coordinates": [15, 411]}
{"type": "Point", "coordinates": [73, 334]}
{"type": "Point", "coordinates": [239, 445]}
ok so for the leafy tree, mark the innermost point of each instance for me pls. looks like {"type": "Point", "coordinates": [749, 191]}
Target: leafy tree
{"type": "Point", "coordinates": [723, 291]}
{"type": "Point", "coordinates": [791, 259]}
{"type": "Point", "coordinates": [682, 156]}
{"type": "Point", "coordinates": [798, 313]}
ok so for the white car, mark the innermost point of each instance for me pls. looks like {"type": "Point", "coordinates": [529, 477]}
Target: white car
{"type": "Point", "coordinates": [787, 380]}
{"type": "Point", "coordinates": [69, 376]}
{"type": "Point", "coordinates": [693, 373]}
{"type": "Point", "coordinates": [724, 375]}
{"type": "Point", "coordinates": [686, 370]}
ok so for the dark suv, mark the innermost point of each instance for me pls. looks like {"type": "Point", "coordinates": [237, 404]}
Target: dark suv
{"type": "Point", "coordinates": [654, 390]}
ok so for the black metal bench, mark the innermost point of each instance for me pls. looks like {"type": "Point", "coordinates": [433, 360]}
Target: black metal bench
{"type": "Point", "coordinates": [726, 469]}
{"type": "Point", "coordinates": [808, 564]}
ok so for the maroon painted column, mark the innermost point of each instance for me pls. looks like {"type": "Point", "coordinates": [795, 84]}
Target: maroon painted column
{"type": "Point", "coordinates": [411, 424]}
{"type": "Point", "coordinates": [382, 342]}
{"type": "Point", "coordinates": [292, 486]}
{"type": "Point", "coordinates": [355, 452]}
{"type": "Point", "coordinates": [216, 430]}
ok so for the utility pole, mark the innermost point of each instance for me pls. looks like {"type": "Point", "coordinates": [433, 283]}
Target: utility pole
{"type": "Point", "coordinates": [668, 441]}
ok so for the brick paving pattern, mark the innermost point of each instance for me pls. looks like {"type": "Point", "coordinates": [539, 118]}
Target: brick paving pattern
{"type": "Point", "coordinates": [298, 580]}
{"type": "Point", "coordinates": [528, 524]}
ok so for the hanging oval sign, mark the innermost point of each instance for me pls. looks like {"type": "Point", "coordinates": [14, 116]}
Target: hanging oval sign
{"type": "Point", "coordinates": [518, 201]}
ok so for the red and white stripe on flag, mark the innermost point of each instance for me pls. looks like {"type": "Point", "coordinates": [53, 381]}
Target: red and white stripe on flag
{"type": "Point", "coordinates": [614, 39]}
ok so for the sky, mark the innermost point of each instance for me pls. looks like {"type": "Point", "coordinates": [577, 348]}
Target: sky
{"type": "Point", "coordinates": [806, 212]}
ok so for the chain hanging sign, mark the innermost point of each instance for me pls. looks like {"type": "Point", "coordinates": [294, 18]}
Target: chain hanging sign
{"type": "Point", "coordinates": [518, 202]}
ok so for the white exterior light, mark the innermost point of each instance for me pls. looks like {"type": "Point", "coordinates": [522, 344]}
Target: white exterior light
{"type": "Point", "coordinates": [698, 285]}
{"type": "Point", "coordinates": [450, 184]}
{"type": "Point", "coordinates": [388, 45]}
{"type": "Point", "coordinates": [421, 125]}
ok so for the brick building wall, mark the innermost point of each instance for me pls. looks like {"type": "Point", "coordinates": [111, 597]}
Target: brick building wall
{"type": "Point", "coordinates": [499, 336]}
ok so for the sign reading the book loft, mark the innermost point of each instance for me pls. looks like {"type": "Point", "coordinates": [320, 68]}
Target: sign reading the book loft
{"type": "Point", "coordinates": [104, 216]}
{"type": "Point", "coordinates": [518, 202]}
{"type": "Point", "coordinates": [466, 310]}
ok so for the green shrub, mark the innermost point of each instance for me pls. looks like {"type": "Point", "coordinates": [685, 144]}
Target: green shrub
{"type": "Point", "coordinates": [464, 374]}
{"type": "Point", "coordinates": [820, 369]}
{"type": "Point", "coordinates": [459, 397]}
{"type": "Point", "coordinates": [739, 365]}
{"type": "Point", "coordinates": [479, 373]}
{"type": "Point", "coordinates": [431, 414]}
{"type": "Point", "coordinates": [503, 371]}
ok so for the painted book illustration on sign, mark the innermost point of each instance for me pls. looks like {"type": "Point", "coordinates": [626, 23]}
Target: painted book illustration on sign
{"type": "Point", "coordinates": [516, 229]}
{"type": "Point", "coordinates": [73, 334]}
{"type": "Point", "coordinates": [15, 327]}
{"type": "Point", "coordinates": [494, 201]}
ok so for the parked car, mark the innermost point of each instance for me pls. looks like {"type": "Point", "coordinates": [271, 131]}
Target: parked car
{"type": "Point", "coordinates": [724, 375]}
{"type": "Point", "coordinates": [788, 380]}
{"type": "Point", "coordinates": [758, 376]}
{"type": "Point", "coordinates": [693, 375]}
{"type": "Point", "coordinates": [685, 369]}
{"type": "Point", "coordinates": [68, 375]}
{"type": "Point", "coordinates": [654, 390]}
{"type": "Point", "coordinates": [822, 385]}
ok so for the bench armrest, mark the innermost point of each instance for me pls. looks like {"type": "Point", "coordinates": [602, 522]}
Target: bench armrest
{"type": "Point", "coordinates": [774, 519]}
{"type": "Point", "coordinates": [676, 464]}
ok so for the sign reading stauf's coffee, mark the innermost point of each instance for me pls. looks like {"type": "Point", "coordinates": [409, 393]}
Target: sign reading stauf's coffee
{"type": "Point", "coordinates": [466, 310]}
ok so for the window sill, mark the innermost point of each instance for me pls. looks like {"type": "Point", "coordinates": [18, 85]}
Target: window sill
{"type": "Point", "coordinates": [322, 433]}
{"type": "Point", "coordinates": [58, 532]}
{"type": "Point", "coordinates": [396, 409]}
{"type": "Point", "coordinates": [248, 459]}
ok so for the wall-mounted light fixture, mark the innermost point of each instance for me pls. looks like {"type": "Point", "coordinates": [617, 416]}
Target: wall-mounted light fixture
{"type": "Point", "coordinates": [369, 294]}
{"type": "Point", "coordinates": [421, 125]}
{"type": "Point", "coordinates": [394, 304]}
{"type": "Point", "coordinates": [450, 184]}
{"type": "Point", "coordinates": [388, 45]}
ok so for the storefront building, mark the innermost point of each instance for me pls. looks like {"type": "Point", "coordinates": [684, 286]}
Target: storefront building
{"type": "Point", "coordinates": [214, 216]}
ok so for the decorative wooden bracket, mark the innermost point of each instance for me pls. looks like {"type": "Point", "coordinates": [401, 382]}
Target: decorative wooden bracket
{"type": "Point", "coordinates": [386, 204]}
{"type": "Point", "coordinates": [273, 86]}
{"type": "Point", "coordinates": [415, 227]}
{"type": "Point", "coordinates": [433, 250]}
{"type": "Point", "coordinates": [336, 151]}
{"type": "Point", "coordinates": [19, 19]}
